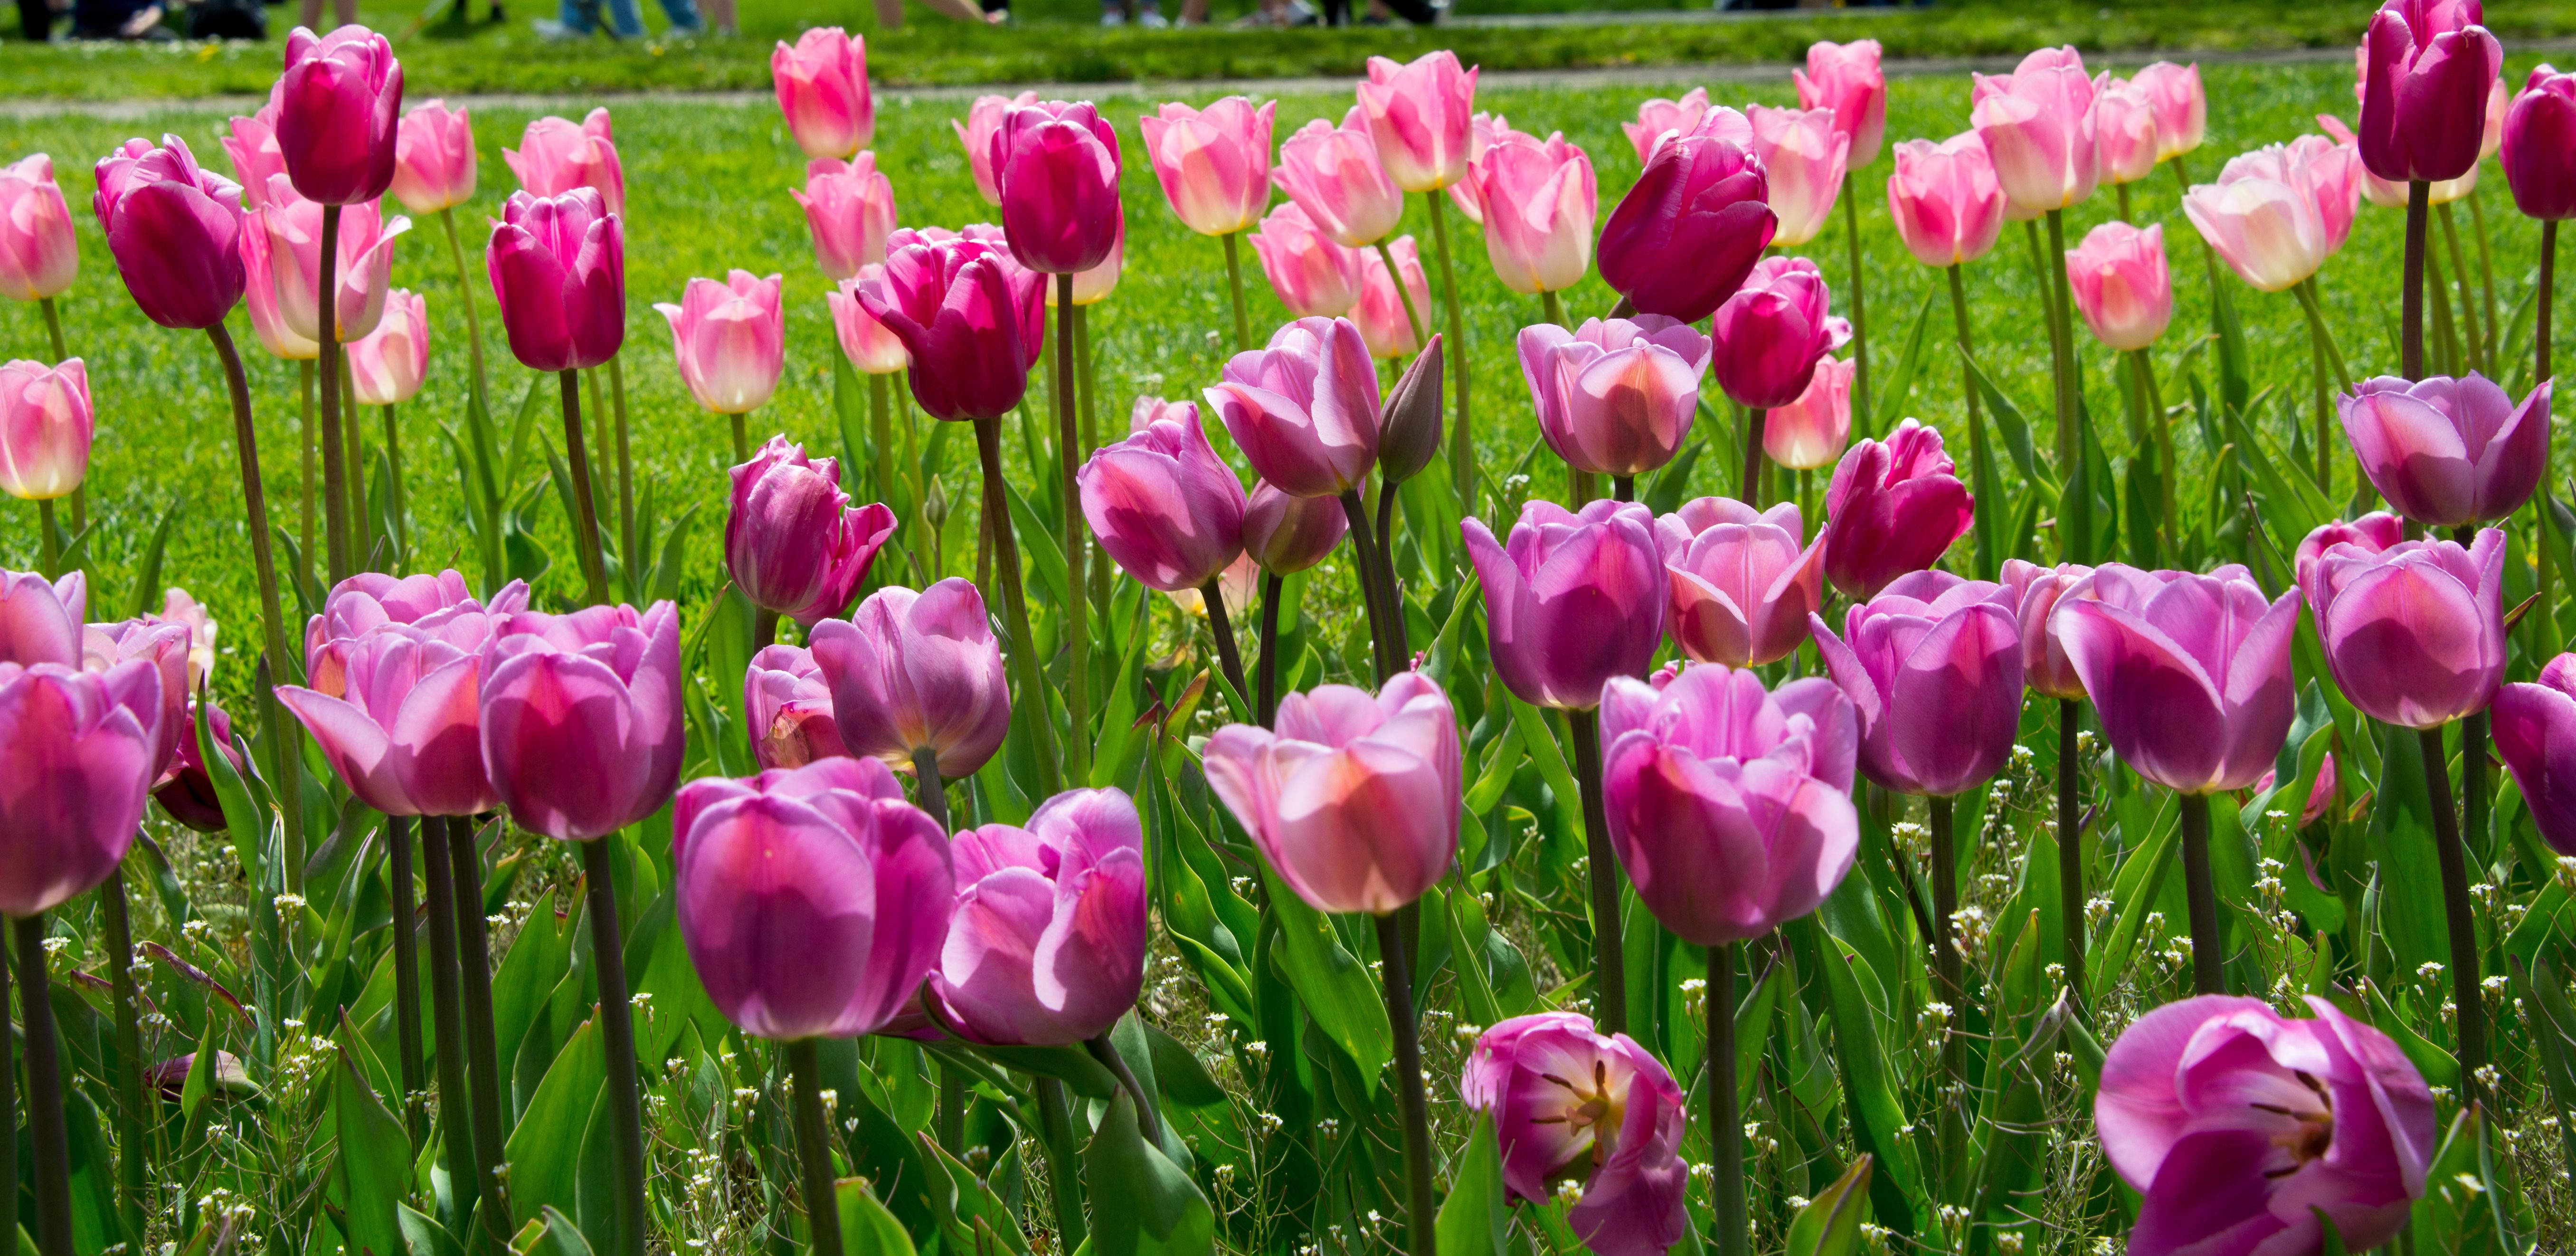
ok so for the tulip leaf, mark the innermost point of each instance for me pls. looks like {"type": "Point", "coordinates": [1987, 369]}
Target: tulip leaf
{"type": "Point", "coordinates": [1475, 988]}
{"type": "Point", "coordinates": [970, 1217]}
{"type": "Point", "coordinates": [2322, 907]}
{"type": "Point", "coordinates": [1503, 756]}
{"type": "Point", "coordinates": [423, 1235]}
{"type": "Point", "coordinates": [1540, 740]}
{"type": "Point", "coordinates": [1182, 1076]}
{"type": "Point", "coordinates": [2229, 331]}
{"type": "Point", "coordinates": [549, 1233]}
{"type": "Point", "coordinates": [147, 571]}
{"type": "Point", "coordinates": [2439, 1067]}
{"type": "Point", "coordinates": [1877, 1116]}
{"type": "Point", "coordinates": [1898, 387]}
{"type": "Point", "coordinates": [1038, 550]}
{"type": "Point", "coordinates": [1671, 484]}
{"type": "Point", "coordinates": [544, 1150]}
{"type": "Point", "coordinates": [2291, 504]}
{"type": "Point", "coordinates": [1158, 1211]}
{"type": "Point", "coordinates": [1337, 989]}
{"type": "Point", "coordinates": [2134, 892]}
{"type": "Point", "coordinates": [1830, 1223]}
{"type": "Point", "coordinates": [2411, 918]}
{"type": "Point", "coordinates": [868, 1228]}
{"type": "Point", "coordinates": [372, 1171]}
{"type": "Point", "coordinates": [1071, 1065]}
{"type": "Point", "coordinates": [2012, 425]}
{"type": "Point", "coordinates": [1475, 1219]}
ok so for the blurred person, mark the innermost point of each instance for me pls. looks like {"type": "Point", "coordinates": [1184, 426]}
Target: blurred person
{"type": "Point", "coordinates": [581, 18]}
{"type": "Point", "coordinates": [121, 20]}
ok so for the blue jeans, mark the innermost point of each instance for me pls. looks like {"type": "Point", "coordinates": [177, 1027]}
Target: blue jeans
{"type": "Point", "coordinates": [625, 20]}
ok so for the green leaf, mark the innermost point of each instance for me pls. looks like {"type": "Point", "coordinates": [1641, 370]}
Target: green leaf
{"type": "Point", "coordinates": [550, 1233]}
{"type": "Point", "coordinates": [2438, 1066]}
{"type": "Point", "coordinates": [1157, 1210]}
{"type": "Point", "coordinates": [2332, 1238]}
{"type": "Point", "coordinates": [2553, 1030]}
{"type": "Point", "coordinates": [1867, 1085]}
{"type": "Point", "coordinates": [1540, 741]}
{"type": "Point", "coordinates": [1830, 1223]}
{"type": "Point", "coordinates": [147, 574]}
{"type": "Point", "coordinates": [1476, 1219]}
{"type": "Point", "coordinates": [867, 1227]}
{"type": "Point", "coordinates": [2411, 914]}
{"type": "Point", "coordinates": [1671, 485]}
{"type": "Point", "coordinates": [1503, 757]}
{"type": "Point", "coordinates": [1038, 550]}
{"type": "Point", "coordinates": [544, 1151]}
{"type": "Point", "coordinates": [2134, 890]}
{"type": "Point", "coordinates": [1897, 386]}
{"type": "Point", "coordinates": [424, 1236]}
{"type": "Point", "coordinates": [2012, 425]}
{"type": "Point", "coordinates": [1073, 1066]}
{"type": "Point", "coordinates": [1178, 1072]}
{"type": "Point", "coordinates": [1337, 989]}
{"type": "Point", "coordinates": [372, 1172]}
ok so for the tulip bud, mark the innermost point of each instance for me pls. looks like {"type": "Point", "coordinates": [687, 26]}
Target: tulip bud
{"type": "Point", "coordinates": [2037, 591]}
{"type": "Point", "coordinates": [1688, 232]}
{"type": "Point", "coordinates": [1572, 600]}
{"type": "Point", "coordinates": [849, 206]}
{"type": "Point", "coordinates": [188, 795]}
{"type": "Point", "coordinates": [1214, 164]}
{"type": "Point", "coordinates": [581, 717]}
{"type": "Point", "coordinates": [1618, 396]}
{"type": "Point", "coordinates": [80, 763]}
{"type": "Point", "coordinates": [1742, 587]}
{"type": "Point", "coordinates": [1409, 424]}
{"type": "Point", "coordinates": [1945, 202]}
{"type": "Point", "coordinates": [1893, 506]}
{"type": "Point", "coordinates": [2448, 452]}
{"type": "Point", "coordinates": [1057, 167]}
{"type": "Point", "coordinates": [1290, 534]}
{"type": "Point", "coordinates": [2427, 70]}
{"type": "Point", "coordinates": [1047, 946]}
{"type": "Point", "coordinates": [787, 708]}
{"type": "Point", "coordinates": [1933, 665]}
{"type": "Point", "coordinates": [1419, 114]}
{"type": "Point", "coordinates": [970, 318]}
{"type": "Point", "coordinates": [2539, 148]}
{"type": "Point", "coordinates": [822, 87]}
{"type": "Point", "coordinates": [1615, 1116]}
{"type": "Point", "coordinates": [558, 270]}
{"type": "Point", "coordinates": [337, 110]}
{"type": "Point", "coordinates": [2276, 214]}
{"type": "Point", "coordinates": [917, 671]}
{"type": "Point", "coordinates": [1771, 333]}
{"type": "Point", "coordinates": [556, 157]}
{"type": "Point", "coordinates": [731, 339]}
{"type": "Point", "coordinates": [2413, 633]}
{"type": "Point", "coordinates": [38, 253]}
{"type": "Point", "coordinates": [2121, 285]}
{"type": "Point", "coordinates": [251, 144]}
{"type": "Point", "coordinates": [1334, 175]}
{"type": "Point", "coordinates": [387, 366]}
{"type": "Point", "coordinates": [175, 231]}
{"type": "Point", "coordinates": [45, 427]}
{"type": "Point", "coordinates": [793, 543]}
{"type": "Point", "coordinates": [2190, 673]}
{"type": "Point", "coordinates": [434, 159]}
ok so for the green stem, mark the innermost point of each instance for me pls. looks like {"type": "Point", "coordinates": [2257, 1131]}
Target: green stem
{"type": "Point", "coordinates": [1859, 313]}
{"type": "Point", "coordinates": [1412, 316]}
{"type": "Point", "coordinates": [585, 537]}
{"type": "Point", "coordinates": [455, 1111]}
{"type": "Point", "coordinates": [881, 439]}
{"type": "Point", "coordinates": [1945, 949]}
{"type": "Point", "coordinates": [285, 760]}
{"type": "Point", "coordinates": [2486, 281]}
{"type": "Point", "coordinates": [45, 1129]}
{"type": "Point", "coordinates": [2458, 915]}
{"type": "Point", "coordinates": [1386, 623]}
{"type": "Point", "coordinates": [465, 292]}
{"type": "Point", "coordinates": [2477, 335]}
{"type": "Point", "coordinates": [1064, 1166]}
{"type": "Point", "coordinates": [361, 521]}
{"type": "Point", "coordinates": [49, 541]}
{"type": "Point", "coordinates": [1395, 969]}
{"type": "Point", "coordinates": [1552, 307]}
{"type": "Point", "coordinates": [1072, 537]}
{"type": "Point", "coordinates": [2548, 282]}
{"type": "Point", "coordinates": [482, 1054]}
{"type": "Point", "coordinates": [1749, 486]}
{"type": "Point", "coordinates": [398, 510]}
{"type": "Point", "coordinates": [1273, 587]}
{"type": "Point", "coordinates": [335, 470]}
{"type": "Point", "coordinates": [129, 1048]}
{"type": "Point", "coordinates": [54, 329]}
{"type": "Point", "coordinates": [2070, 443]}
{"type": "Point", "coordinates": [2208, 953]}
{"type": "Point", "coordinates": [9, 1106]}
{"type": "Point", "coordinates": [1228, 656]}
{"type": "Point", "coordinates": [2324, 414]}
{"type": "Point", "coordinates": [617, 1037]}
{"type": "Point", "coordinates": [2070, 840]}
{"type": "Point", "coordinates": [813, 1149]}
{"type": "Point", "coordinates": [2122, 190]}
{"type": "Point", "coordinates": [1981, 461]}
{"type": "Point", "coordinates": [2410, 344]}
{"type": "Point", "coordinates": [1609, 954]}
{"type": "Point", "coordinates": [1006, 573]}
{"type": "Point", "coordinates": [628, 560]}
{"type": "Point", "coordinates": [1462, 443]}
{"type": "Point", "coordinates": [2151, 415]}
{"type": "Point", "coordinates": [1234, 284]}
{"type": "Point", "coordinates": [1725, 1127]}
{"type": "Point", "coordinates": [406, 927]}
{"type": "Point", "coordinates": [305, 525]}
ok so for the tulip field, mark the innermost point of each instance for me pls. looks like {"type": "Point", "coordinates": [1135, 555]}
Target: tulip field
{"type": "Point", "coordinates": [1881, 662]}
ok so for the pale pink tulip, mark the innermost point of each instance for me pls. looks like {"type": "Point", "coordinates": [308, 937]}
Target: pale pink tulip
{"type": "Point", "coordinates": [1419, 113]}
{"type": "Point", "coordinates": [2124, 130]}
{"type": "Point", "coordinates": [1213, 163]}
{"type": "Point", "coordinates": [1804, 156]}
{"type": "Point", "coordinates": [1743, 581]}
{"type": "Point", "coordinates": [1945, 202]}
{"type": "Point", "coordinates": [1811, 432]}
{"type": "Point", "coordinates": [730, 338]}
{"type": "Point", "coordinates": [46, 423]}
{"type": "Point", "coordinates": [822, 87]}
{"type": "Point", "coordinates": [2182, 108]}
{"type": "Point", "coordinates": [386, 367]}
{"type": "Point", "coordinates": [434, 158]}
{"type": "Point", "coordinates": [2038, 125]}
{"type": "Point", "coordinates": [1659, 116]}
{"type": "Point", "coordinates": [2121, 285]}
{"type": "Point", "coordinates": [849, 207]}
{"type": "Point", "coordinates": [975, 131]}
{"type": "Point", "coordinates": [1846, 78]}
{"type": "Point", "coordinates": [39, 255]}
{"type": "Point", "coordinates": [2276, 214]}
{"type": "Point", "coordinates": [1313, 275]}
{"type": "Point", "coordinates": [871, 346]}
{"type": "Point", "coordinates": [251, 144]}
{"type": "Point", "coordinates": [556, 155]}
{"type": "Point", "coordinates": [1543, 201]}
{"type": "Point", "coordinates": [282, 255]}
{"type": "Point", "coordinates": [1381, 314]}
{"type": "Point", "coordinates": [1334, 175]}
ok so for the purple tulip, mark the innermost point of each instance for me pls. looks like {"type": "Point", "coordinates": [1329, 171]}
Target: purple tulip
{"type": "Point", "coordinates": [1165, 507]}
{"type": "Point", "coordinates": [338, 108]}
{"type": "Point", "coordinates": [1933, 665]}
{"type": "Point", "coordinates": [72, 785]}
{"type": "Point", "coordinates": [370, 600]}
{"type": "Point", "coordinates": [2539, 151]}
{"type": "Point", "coordinates": [1047, 947]}
{"type": "Point", "coordinates": [1057, 167]}
{"type": "Point", "coordinates": [1288, 534]}
{"type": "Point", "coordinates": [971, 320]}
{"type": "Point", "coordinates": [1742, 587]}
{"type": "Point", "coordinates": [558, 270]}
{"type": "Point", "coordinates": [40, 620]}
{"type": "Point", "coordinates": [1305, 409]}
{"type": "Point", "coordinates": [1572, 599]}
{"type": "Point", "coordinates": [794, 544]}
{"type": "Point", "coordinates": [2236, 1122]}
{"type": "Point", "coordinates": [1685, 236]}
{"type": "Point", "coordinates": [2190, 673]}
{"type": "Point", "coordinates": [1569, 1103]}
{"type": "Point", "coordinates": [1772, 332]}
{"type": "Point", "coordinates": [581, 717]}
{"type": "Point", "coordinates": [2426, 69]}
{"type": "Point", "coordinates": [787, 706]}
{"type": "Point", "coordinates": [2037, 591]}
{"type": "Point", "coordinates": [813, 900]}
{"type": "Point", "coordinates": [2447, 452]}
{"type": "Point", "coordinates": [403, 726]}
{"type": "Point", "coordinates": [2373, 532]}
{"type": "Point", "coordinates": [1893, 506]}
{"type": "Point", "coordinates": [188, 793]}
{"type": "Point", "coordinates": [2535, 732]}
{"type": "Point", "coordinates": [917, 671]}
{"type": "Point", "coordinates": [175, 230]}
{"type": "Point", "coordinates": [2414, 633]}
{"type": "Point", "coordinates": [1617, 396]}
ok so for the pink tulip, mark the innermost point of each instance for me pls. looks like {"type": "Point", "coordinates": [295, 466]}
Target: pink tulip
{"type": "Point", "coordinates": [2535, 734]}
{"type": "Point", "coordinates": [1892, 507]}
{"type": "Point", "coordinates": [175, 231]}
{"type": "Point", "coordinates": [106, 647]}
{"type": "Point", "coordinates": [1213, 163]}
{"type": "Point", "coordinates": [251, 145]}
{"type": "Point", "coordinates": [72, 786]}
{"type": "Point", "coordinates": [793, 543]}
{"type": "Point", "coordinates": [1618, 396]}
{"type": "Point", "coordinates": [1933, 666]}
{"type": "Point", "coordinates": [787, 707]}
{"type": "Point", "coordinates": [1090, 286]}
{"type": "Point", "coordinates": [2381, 192]}
{"type": "Point", "coordinates": [2373, 532]}
{"type": "Point", "coordinates": [976, 132]}
{"type": "Point", "coordinates": [45, 428]}
{"type": "Point", "coordinates": [2321, 795]}
{"type": "Point", "coordinates": [731, 339]}
{"type": "Point", "coordinates": [1541, 240]}
{"type": "Point", "coordinates": [282, 256]}
{"type": "Point", "coordinates": [1742, 587]}
{"type": "Point", "coordinates": [2537, 143]}
{"type": "Point", "coordinates": [40, 619]}
{"type": "Point", "coordinates": [403, 728]}
{"type": "Point", "coordinates": [179, 608]}
{"type": "Point", "coordinates": [2181, 106]}
{"type": "Point", "coordinates": [813, 900]}
{"type": "Point", "coordinates": [2275, 215]}
{"type": "Point", "coordinates": [822, 85]}
{"type": "Point", "coordinates": [1057, 167]}
{"type": "Point", "coordinates": [971, 320]}
{"type": "Point", "coordinates": [1312, 275]}
{"type": "Point", "coordinates": [337, 110]}
{"type": "Point", "coordinates": [441, 604]}
{"type": "Point", "coordinates": [1384, 324]}
{"type": "Point", "coordinates": [1945, 202]}
{"type": "Point", "coordinates": [917, 671]}
{"type": "Point", "coordinates": [1772, 332]}
{"type": "Point", "coordinates": [1846, 78]}
{"type": "Point", "coordinates": [872, 347]}
{"type": "Point", "coordinates": [1304, 410]}
{"type": "Point", "coordinates": [2191, 673]}
{"type": "Point", "coordinates": [2448, 452]}
{"type": "Point", "coordinates": [188, 795]}
{"type": "Point", "coordinates": [2124, 130]}
{"type": "Point", "coordinates": [1047, 947]}
{"type": "Point", "coordinates": [1418, 113]}
{"type": "Point", "coordinates": [1804, 156]}
{"type": "Point", "coordinates": [556, 157]}
{"type": "Point", "coordinates": [38, 253]}
{"type": "Point", "coordinates": [1166, 509]}
{"type": "Point", "coordinates": [1811, 432]}
{"type": "Point", "coordinates": [2414, 633]}
{"type": "Point", "coordinates": [1658, 117]}
{"type": "Point", "coordinates": [558, 270]}
{"type": "Point", "coordinates": [2038, 125]}
{"type": "Point", "coordinates": [434, 159]}
{"type": "Point", "coordinates": [1333, 174]}
{"type": "Point", "coordinates": [1569, 1103]}
{"type": "Point", "coordinates": [581, 717]}
{"type": "Point", "coordinates": [849, 208]}
{"type": "Point", "coordinates": [2239, 1125]}
{"type": "Point", "coordinates": [1353, 800]}
{"type": "Point", "coordinates": [1688, 232]}
{"type": "Point", "coordinates": [2036, 593]}
{"type": "Point", "coordinates": [1290, 534]}
{"type": "Point", "coordinates": [2428, 68]}
{"type": "Point", "coordinates": [1572, 599]}
{"type": "Point", "coordinates": [386, 367]}
{"type": "Point", "coordinates": [2121, 285]}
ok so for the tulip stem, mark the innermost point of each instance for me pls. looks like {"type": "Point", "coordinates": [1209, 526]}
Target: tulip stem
{"type": "Point", "coordinates": [2122, 191]}
{"type": "Point", "coordinates": [49, 541]}
{"type": "Point", "coordinates": [617, 1022]}
{"type": "Point", "coordinates": [2070, 403]}
{"type": "Point", "coordinates": [54, 329]}
{"type": "Point", "coordinates": [1006, 573]}
{"type": "Point", "coordinates": [2151, 414]}
{"type": "Point", "coordinates": [1945, 950]}
{"type": "Point", "coordinates": [929, 788]}
{"type": "Point", "coordinates": [585, 537]}
{"type": "Point", "coordinates": [1063, 1164]}
{"type": "Point", "coordinates": [1273, 587]}
{"type": "Point", "coordinates": [2486, 282]}
{"type": "Point", "coordinates": [1749, 488]}
{"type": "Point", "coordinates": [1386, 626]}
{"type": "Point", "coordinates": [312, 477]}
{"type": "Point", "coordinates": [813, 1148]}
{"type": "Point", "coordinates": [44, 1093]}
{"type": "Point", "coordinates": [406, 924]}
{"type": "Point", "coordinates": [482, 1055]}
{"type": "Point", "coordinates": [881, 439]}
{"type": "Point", "coordinates": [1609, 958]}
{"type": "Point", "coordinates": [465, 291]}
{"type": "Point", "coordinates": [1412, 316]}
{"type": "Point", "coordinates": [628, 559]}
{"type": "Point", "coordinates": [2477, 335]}
{"type": "Point", "coordinates": [1725, 1126]}
{"type": "Point", "coordinates": [1234, 283]}
{"type": "Point", "coordinates": [952, 1109]}
{"type": "Point", "coordinates": [1551, 306]}
{"type": "Point", "coordinates": [455, 1110]}
{"type": "Point", "coordinates": [1072, 535]}
{"type": "Point", "coordinates": [2317, 326]}
{"type": "Point", "coordinates": [2410, 346]}
{"type": "Point", "coordinates": [1981, 463]}
{"type": "Point", "coordinates": [285, 760]}
{"type": "Point", "coordinates": [129, 1047]}
{"type": "Point", "coordinates": [9, 1107]}
{"type": "Point", "coordinates": [2208, 954]}
{"type": "Point", "coordinates": [741, 439]}
{"type": "Point", "coordinates": [335, 471]}
{"type": "Point", "coordinates": [1212, 594]}
{"type": "Point", "coordinates": [1462, 444]}
{"type": "Point", "coordinates": [362, 522]}
{"type": "Point", "coordinates": [2458, 915]}
{"type": "Point", "coordinates": [2325, 411]}
{"type": "Point", "coordinates": [398, 507]}
{"type": "Point", "coordinates": [1623, 488]}
{"type": "Point", "coordinates": [1395, 969]}
{"type": "Point", "coordinates": [2070, 839]}
{"type": "Point", "coordinates": [1859, 317]}
{"type": "Point", "coordinates": [2548, 284]}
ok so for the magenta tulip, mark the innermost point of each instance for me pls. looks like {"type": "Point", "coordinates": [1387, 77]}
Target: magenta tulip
{"type": "Point", "coordinates": [1418, 113]}
{"type": "Point", "coordinates": [1304, 410]}
{"type": "Point", "coordinates": [1618, 396]}
{"type": "Point", "coordinates": [2373, 532]}
{"type": "Point", "coordinates": [387, 366]}
{"type": "Point", "coordinates": [2038, 125]}
{"type": "Point", "coordinates": [787, 708]}
{"type": "Point", "coordinates": [731, 340]}
{"type": "Point", "coordinates": [2448, 452]}
{"type": "Point", "coordinates": [975, 133]}
{"type": "Point", "coordinates": [557, 156]}
{"type": "Point", "coordinates": [794, 544]}
{"type": "Point", "coordinates": [1804, 155]}
{"type": "Point", "coordinates": [40, 619]}
{"type": "Point", "coordinates": [1742, 587]}
{"type": "Point", "coordinates": [1812, 431]}
{"type": "Point", "coordinates": [2036, 593]}
{"type": "Point", "coordinates": [1287, 534]}
{"type": "Point", "coordinates": [2413, 633]}
{"type": "Point", "coordinates": [1057, 167]}
{"type": "Point", "coordinates": [39, 255]}
{"type": "Point", "coordinates": [1688, 232]}
{"type": "Point", "coordinates": [558, 270]}
{"type": "Point", "coordinates": [822, 84]}
{"type": "Point", "coordinates": [1312, 275]}
{"type": "Point", "coordinates": [1385, 323]}
{"type": "Point", "coordinates": [1047, 947]}
{"type": "Point", "coordinates": [917, 671]}
{"type": "Point", "coordinates": [1933, 665]}
{"type": "Point", "coordinates": [403, 728]}
{"type": "Point", "coordinates": [1892, 507]}
{"type": "Point", "coordinates": [73, 783]}
{"type": "Point", "coordinates": [2539, 151]}
{"type": "Point", "coordinates": [46, 422]}
{"type": "Point", "coordinates": [1541, 241]}
{"type": "Point", "coordinates": [2427, 68]}
{"type": "Point", "coordinates": [581, 717]}
{"type": "Point", "coordinates": [1569, 1103]}
{"type": "Point", "coordinates": [2190, 673]}
{"type": "Point", "coordinates": [2121, 285]}
{"type": "Point", "coordinates": [2535, 734]}
{"type": "Point", "coordinates": [282, 259]}
{"type": "Point", "coordinates": [187, 793]}
{"type": "Point", "coordinates": [971, 319]}
{"type": "Point", "coordinates": [1771, 333]}
{"type": "Point", "coordinates": [871, 346]}
{"type": "Point", "coordinates": [2181, 106]}
{"type": "Point", "coordinates": [1166, 509]}
{"type": "Point", "coordinates": [175, 231]}
{"type": "Point", "coordinates": [813, 900]}
{"type": "Point", "coordinates": [1213, 163]}
{"type": "Point", "coordinates": [434, 159]}
{"type": "Point", "coordinates": [1658, 117]}
{"type": "Point", "coordinates": [849, 208]}
{"type": "Point", "coordinates": [1944, 199]}
{"type": "Point", "coordinates": [1333, 174]}
{"type": "Point", "coordinates": [2124, 130]}
{"type": "Point", "coordinates": [1571, 600]}
{"type": "Point", "coordinates": [337, 109]}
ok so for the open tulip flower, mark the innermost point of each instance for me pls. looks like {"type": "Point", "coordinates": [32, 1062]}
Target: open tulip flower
{"type": "Point", "coordinates": [1419, 114]}
{"type": "Point", "coordinates": [2190, 673]}
{"type": "Point", "coordinates": [558, 270]}
{"type": "Point", "coordinates": [2275, 215]}
{"type": "Point", "coordinates": [433, 158]}
{"type": "Point", "coordinates": [1047, 945]}
{"type": "Point", "coordinates": [80, 763]}
{"type": "Point", "coordinates": [369, 600]}
{"type": "Point", "coordinates": [1313, 275]}
{"type": "Point", "coordinates": [2124, 130]}
{"type": "Point", "coordinates": [581, 717]}
{"type": "Point", "coordinates": [1812, 431]}
{"type": "Point", "coordinates": [2428, 68]}
{"type": "Point", "coordinates": [1333, 174]}
{"type": "Point", "coordinates": [1742, 587]}
{"type": "Point", "coordinates": [822, 83]}
{"type": "Point", "coordinates": [1213, 163]}
{"type": "Point", "coordinates": [2414, 632]}
{"type": "Point", "coordinates": [1617, 396]}
{"type": "Point", "coordinates": [2121, 285]}
{"type": "Point", "coordinates": [1847, 79]}
{"type": "Point", "coordinates": [1304, 411]}
{"type": "Point", "coordinates": [970, 318]}
{"type": "Point", "coordinates": [557, 156]}
{"type": "Point", "coordinates": [1570, 1103]}
{"type": "Point", "coordinates": [46, 422]}
{"type": "Point", "coordinates": [2037, 591]}
{"type": "Point", "coordinates": [1658, 117]}
{"type": "Point", "coordinates": [731, 339]}
{"type": "Point", "coordinates": [282, 256]}
{"type": "Point", "coordinates": [1571, 599]}
{"type": "Point", "coordinates": [1893, 506]}
{"type": "Point", "coordinates": [401, 724]}
{"type": "Point", "coordinates": [2181, 106]}
{"type": "Point", "coordinates": [39, 255]}
{"type": "Point", "coordinates": [913, 672]}
{"type": "Point", "coordinates": [1933, 666]}
{"type": "Point", "coordinates": [1944, 200]}
{"type": "Point", "coordinates": [388, 365]}
{"type": "Point", "coordinates": [1693, 225]}
{"type": "Point", "coordinates": [2449, 452]}
{"type": "Point", "coordinates": [2038, 124]}
{"type": "Point", "coordinates": [2535, 735]}
{"type": "Point", "coordinates": [337, 109]}
{"type": "Point", "coordinates": [105, 647]}
{"type": "Point", "coordinates": [1804, 154]}
{"type": "Point", "coordinates": [849, 208]}
{"type": "Point", "coordinates": [1538, 229]}
{"type": "Point", "coordinates": [787, 707]}
{"type": "Point", "coordinates": [1166, 509]}
{"type": "Point", "coordinates": [40, 619]}
{"type": "Point", "coordinates": [793, 542]}
{"type": "Point", "coordinates": [175, 230]}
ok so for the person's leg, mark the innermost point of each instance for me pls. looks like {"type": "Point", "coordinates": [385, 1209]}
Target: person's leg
{"type": "Point", "coordinates": [626, 21]}
{"type": "Point", "coordinates": [683, 14]}
{"type": "Point", "coordinates": [344, 12]}
{"type": "Point", "coordinates": [720, 16]}
{"type": "Point", "coordinates": [308, 13]}
{"type": "Point", "coordinates": [889, 15]}
{"type": "Point", "coordinates": [35, 21]}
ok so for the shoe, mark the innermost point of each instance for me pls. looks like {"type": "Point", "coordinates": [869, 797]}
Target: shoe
{"type": "Point", "coordinates": [1112, 17]}
{"type": "Point", "coordinates": [1153, 20]}
{"type": "Point", "coordinates": [553, 31]}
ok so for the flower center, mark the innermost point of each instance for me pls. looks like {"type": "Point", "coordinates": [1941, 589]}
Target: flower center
{"type": "Point", "coordinates": [2311, 1131]}
{"type": "Point", "coordinates": [1594, 1110]}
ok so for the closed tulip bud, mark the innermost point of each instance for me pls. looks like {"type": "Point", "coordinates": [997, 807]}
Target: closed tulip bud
{"type": "Point", "coordinates": [1944, 199]}
{"type": "Point", "coordinates": [1892, 507]}
{"type": "Point", "coordinates": [1771, 333]}
{"type": "Point", "coordinates": [1419, 113]}
{"type": "Point", "coordinates": [2427, 69]}
{"type": "Point", "coordinates": [282, 258]}
{"type": "Point", "coordinates": [1618, 396]}
{"type": "Point", "coordinates": [40, 619]}
{"type": "Point", "coordinates": [2124, 130]}
{"type": "Point", "coordinates": [1213, 163]}
{"type": "Point", "coordinates": [731, 340]}
{"type": "Point", "coordinates": [2190, 673]}
{"type": "Point", "coordinates": [1047, 947]}
{"type": "Point", "coordinates": [1742, 586]}
{"type": "Point", "coordinates": [251, 145]}
{"type": "Point", "coordinates": [2538, 148]}
{"type": "Point", "coordinates": [1811, 432]}
{"type": "Point", "coordinates": [403, 730]}
{"type": "Point", "coordinates": [2414, 633]}
{"type": "Point", "coordinates": [822, 84]}
{"type": "Point", "coordinates": [558, 270]}
{"type": "Point", "coordinates": [1572, 599]}
{"type": "Point", "coordinates": [813, 900]}
{"type": "Point", "coordinates": [2181, 106]}
{"type": "Point", "coordinates": [73, 783]}
{"type": "Point", "coordinates": [2036, 593]}
{"type": "Point", "coordinates": [1057, 167]}
{"type": "Point", "coordinates": [337, 109]}
{"type": "Point", "coordinates": [793, 543]}
{"type": "Point", "coordinates": [1568, 1103]}
{"type": "Point", "coordinates": [1166, 509]}
{"type": "Point", "coordinates": [434, 159]}
{"type": "Point", "coordinates": [581, 717]}
{"type": "Point", "coordinates": [1659, 117]}
{"type": "Point", "coordinates": [1542, 241]}
{"type": "Point", "coordinates": [2038, 125]}
{"type": "Point", "coordinates": [2121, 285]}
{"type": "Point", "coordinates": [849, 208]}
{"type": "Point", "coordinates": [188, 795]}
{"type": "Point", "coordinates": [1688, 232]}
{"type": "Point", "coordinates": [175, 231]}
{"type": "Point", "coordinates": [1354, 800]}
{"type": "Point", "coordinates": [2274, 216]}
{"type": "Point", "coordinates": [1333, 174]}
{"type": "Point", "coordinates": [2321, 794]}
{"type": "Point", "coordinates": [917, 671]}
{"type": "Point", "coordinates": [1804, 156]}
{"type": "Point", "coordinates": [971, 320]}
{"type": "Point", "coordinates": [1384, 323]}
{"type": "Point", "coordinates": [787, 707]}
{"type": "Point", "coordinates": [1846, 78]}
{"type": "Point", "coordinates": [45, 427]}
{"type": "Point", "coordinates": [387, 366]}
{"type": "Point", "coordinates": [1933, 665]}
{"type": "Point", "coordinates": [975, 133]}
{"type": "Point", "coordinates": [871, 346]}
{"type": "Point", "coordinates": [1290, 534]}
{"type": "Point", "coordinates": [1304, 410]}
{"type": "Point", "coordinates": [1409, 431]}
{"type": "Point", "coordinates": [1312, 275]}
{"type": "Point", "coordinates": [2535, 734]}
{"type": "Point", "coordinates": [2448, 452]}
{"type": "Point", "coordinates": [38, 253]}
{"type": "Point", "coordinates": [2345, 1128]}
{"type": "Point", "coordinates": [557, 156]}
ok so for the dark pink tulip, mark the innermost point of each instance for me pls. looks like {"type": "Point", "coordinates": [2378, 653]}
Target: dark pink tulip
{"type": "Point", "coordinates": [441, 603]}
{"type": "Point", "coordinates": [104, 647]}
{"type": "Point", "coordinates": [787, 706]}
{"type": "Point", "coordinates": [2190, 673]}
{"type": "Point", "coordinates": [813, 899]}
{"type": "Point", "coordinates": [2535, 733]}
{"type": "Point", "coordinates": [581, 717]}
{"type": "Point", "coordinates": [1617, 396]}
{"type": "Point", "coordinates": [2036, 592]}
{"type": "Point", "coordinates": [1742, 586]}
{"type": "Point", "coordinates": [1571, 600]}
{"type": "Point", "coordinates": [917, 671]}
{"type": "Point", "coordinates": [73, 783]}
{"type": "Point", "coordinates": [1165, 507]}
{"type": "Point", "coordinates": [1047, 947]}
{"type": "Point", "coordinates": [188, 793]}
{"type": "Point", "coordinates": [1354, 800]}
{"type": "Point", "coordinates": [40, 619]}
{"type": "Point", "coordinates": [2236, 1122]}
{"type": "Point", "coordinates": [1304, 410]}
{"type": "Point", "coordinates": [1057, 167]}
{"type": "Point", "coordinates": [1893, 506]}
{"type": "Point", "coordinates": [793, 542]}
{"type": "Point", "coordinates": [2427, 67]}
{"type": "Point", "coordinates": [1772, 332]}
{"type": "Point", "coordinates": [338, 107]}
{"type": "Point", "coordinates": [2413, 633]}
{"type": "Point", "coordinates": [2539, 151]}
{"type": "Point", "coordinates": [1287, 534]}
{"type": "Point", "coordinates": [1685, 236]}
{"type": "Point", "coordinates": [971, 318]}
{"type": "Point", "coordinates": [822, 84]}
{"type": "Point", "coordinates": [557, 155]}
{"type": "Point", "coordinates": [175, 231]}
{"type": "Point", "coordinates": [1730, 807]}
{"type": "Point", "coordinates": [1570, 1104]}
{"type": "Point", "coordinates": [1933, 665]}
{"type": "Point", "coordinates": [403, 727]}
{"type": "Point", "coordinates": [558, 270]}
{"type": "Point", "coordinates": [2447, 452]}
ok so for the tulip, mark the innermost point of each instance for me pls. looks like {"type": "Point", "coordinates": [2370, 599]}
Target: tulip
{"type": "Point", "coordinates": [976, 133]}
{"type": "Point", "coordinates": [2535, 732]}
{"type": "Point", "coordinates": [731, 339]}
{"type": "Point", "coordinates": [581, 717]}
{"type": "Point", "coordinates": [1213, 163]}
{"type": "Point", "coordinates": [2038, 125]}
{"type": "Point", "coordinates": [1933, 664]}
{"type": "Point", "coordinates": [2448, 452]}
{"type": "Point", "coordinates": [1289, 534]}
{"type": "Point", "coordinates": [1163, 505]}
{"type": "Point", "coordinates": [1945, 202]}
{"type": "Point", "coordinates": [2538, 148]}
{"type": "Point", "coordinates": [913, 672]}
{"type": "Point", "coordinates": [1542, 240]}
{"type": "Point", "coordinates": [434, 159]}
{"type": "Point", "coordinates": [387, 365]}
{"type": "Point", "coordinates": [794, 544]}
{"type": "Point", "coordinates": [38, 253]}
{"type": "Point", "coordinates": [45, 427]}
{"type": "Point", "coordinates": [1333, 174]}
{"type": "Point", "coordinates": [556, 157]}
{"type": "Point", "coordinates": [822, 87]}
{"type": "Point", "coordinates": [1304, 410]}
{"type": "Point", "coordinates": [1057, 167]}
{"type": "Point", "coordinates": [1618, 396]}
{"type": "Point", "coordinates": [1385, 323]}
{"type": "Point", "coordinates": [175, 231]}
{"type": "Point", "coordinates": [1804, 154]}
{"type": "Point", "coordinates": [1846, 78]}
{"type": "Point", "coordinates": [813, 899]}
{"type": "Point", "coordinates": [1090, 286]}
{"type": "Point", "coordinates": [179, 608]}
{"type": "Point", "coordinates": [282, 257]}
{"type": "Point", "coordinates": [2181, 107]}
{"type": "Point", "coordinates": [1742, 587]}
{"type": "Point", "coordinates": [2037, 591]}
{"type": "Point", "coordinates": [403, 727]}
{"type": "Point", "coordinates": [1569, 1103]}
{"type": "Point", "coordinates": [558, 270]}
{"type": "Point", "coordinates": [2427, 70]}
{"type": "Point", "coordinates": [1353, 800]}
{"type": "Point", "coordinates": [2381, 192]}
{"type": "Point", "coordinates": [73, 783]}
{"type": "Point", "coordinates": [370, 599]}
{"type": "Point", "coordinates": [1811, 432]}
{"type": "Point", "coordinates": [2239, 1126]}
{"type": "Point", "coordinates": [1685, 236]}
{"type": "Point", "coordinates": [188, 795]}
{"type": "Point", "coordinates": [1312, 275]}
{"type": "Point", "coordinates": [970, 319]}
{"type": "Point", "coordinates": [1893, 506]}
{"type": "Point", "coordinates": [2413, 633]}
{"type": "Point", "coordinates": [1659, 117]}
{"type": "Point", "coordinates": [40, 619]}
{"type": "Point", "coordinates": [105, 647]}
{"type": "Point", "coordinates": [251, 144]}
{"type": "Point", "coordinates": [1572, 599]}
{"type": "Point", "coordinates": [849, 206]}
{"type": "Point", "coordinates": [871, 346]}
{"type": "Point", "coordinates": [787, 706]}
{"type": "Point", "coordinates": [2274, 216]}
{"type": "Point", "coordinates": [2124, 131]}
{"type": "Point", "coordinates": [2190, 673]}
{"type": "Point", "coordinates": [2321, 794]}
{"type": "Point", "coordinates": [1047, 947]}
{"type": "Point", "coordinates": [2121, 285]}
{"type": "Point", "coordinates": [337, 110]}
{"type": "Point", "coordinates": [1771, 333]}
{"type": "Point", "coordinates": [1418, 113]}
